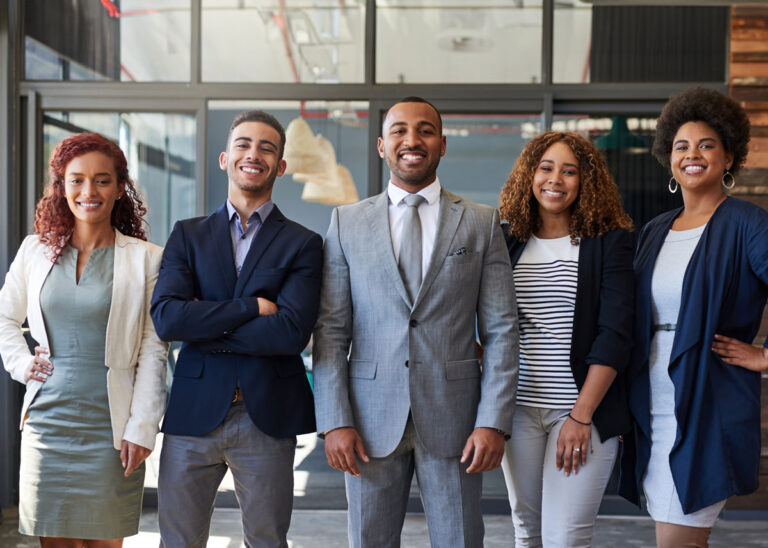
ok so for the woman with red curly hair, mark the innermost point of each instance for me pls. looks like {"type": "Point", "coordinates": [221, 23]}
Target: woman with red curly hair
{"type": "Point", "coordinates": [571, 251]}
{"type": "Point", "coordinates": [96, 381]}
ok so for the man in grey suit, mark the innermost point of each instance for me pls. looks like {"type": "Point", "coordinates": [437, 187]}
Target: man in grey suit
{"type": "Point", "coordinates": [409, 276]}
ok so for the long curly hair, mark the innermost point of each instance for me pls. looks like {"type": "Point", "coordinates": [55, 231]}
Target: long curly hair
{"type": "Point", "coordinates": [596, 210]}
{"type": "Point", "coordinates": [54, 221]}
{"type": "Point", "coordinates": [718, 111]}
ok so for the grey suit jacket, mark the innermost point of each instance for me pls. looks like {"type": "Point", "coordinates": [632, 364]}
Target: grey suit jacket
{"type": "Point", "coordinates": [377, 356]}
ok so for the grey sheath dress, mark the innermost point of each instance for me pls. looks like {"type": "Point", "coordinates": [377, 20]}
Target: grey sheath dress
{"type": "Point", "coordinates": [71, 479]}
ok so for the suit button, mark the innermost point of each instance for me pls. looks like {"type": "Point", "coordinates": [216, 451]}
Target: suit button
{"type": "Point", "coordinates": [406, 363]}
{"type": "Point", "coordinates": [413, 323]}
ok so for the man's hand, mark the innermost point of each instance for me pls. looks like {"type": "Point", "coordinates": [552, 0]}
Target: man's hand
{"type": "Point", "coordinates": [132, 455]}
{"type": "Point", "coordinates": [341, 445]}
{"type": "Point", "coordinates": [266, 307]}
{"type": "Point", "coordinates": [488, 447]}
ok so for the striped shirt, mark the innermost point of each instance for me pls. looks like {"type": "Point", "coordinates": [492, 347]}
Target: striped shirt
{"type": "Point", "coordinates": [545, 281]}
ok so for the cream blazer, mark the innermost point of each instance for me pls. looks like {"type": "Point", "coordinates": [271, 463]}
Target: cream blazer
{"type": "Point", "coordinates": [134, 354]}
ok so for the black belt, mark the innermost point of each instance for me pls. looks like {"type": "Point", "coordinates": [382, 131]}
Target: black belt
{"type": "Point", "coordinates": [665, 327]}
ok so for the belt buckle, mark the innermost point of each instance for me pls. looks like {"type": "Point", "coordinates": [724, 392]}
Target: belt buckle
{"type": "Point", "coordinates": [238, 396]}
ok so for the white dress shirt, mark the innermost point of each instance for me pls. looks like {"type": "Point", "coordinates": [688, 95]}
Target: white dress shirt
{"type": "Point", "coordinates": [428, 213]}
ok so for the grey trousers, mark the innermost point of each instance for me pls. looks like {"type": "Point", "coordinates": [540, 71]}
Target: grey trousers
{"type": "Point", "coordinates": [548, 508]}
{"type": "Point", "coordinates": [379, 496]}
{"type": "Point", "coordinates": [192, 467]}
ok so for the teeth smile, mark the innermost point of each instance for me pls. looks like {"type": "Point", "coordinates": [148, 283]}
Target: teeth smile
{"type": "Point", "coordinates": [411, 157]}
{"type": "Point", "coordinates": [693, 169]}
{"type": "Point", "coordinates": [253, 170]}
{"type": "Point", "coordinates": [553, 193]}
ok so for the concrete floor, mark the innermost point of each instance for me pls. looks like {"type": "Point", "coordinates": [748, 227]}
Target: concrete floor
{"type": "Point", "coordinates": [327, 529]}
{"type": "Point", "coordinates": [319, 519]}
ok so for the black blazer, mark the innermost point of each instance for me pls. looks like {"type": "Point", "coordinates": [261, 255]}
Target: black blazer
{"type": "Point", "coordinates": [200, 300]}
{"type": "Point", "coordinates": [602, 320]}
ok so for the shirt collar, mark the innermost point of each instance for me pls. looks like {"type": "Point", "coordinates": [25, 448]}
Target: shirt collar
{"type": "Point", "coordinates": [263, 212]}
{"type": "Point", "coordinates": [431, 192]}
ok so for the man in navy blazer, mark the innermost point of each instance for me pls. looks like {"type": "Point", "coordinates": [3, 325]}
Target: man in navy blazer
{"type": "Point", "coordinates": [240, 288]}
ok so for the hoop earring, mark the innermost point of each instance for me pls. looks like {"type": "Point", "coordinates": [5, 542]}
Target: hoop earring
{"type": "Point", "coordinates": [733, 180]}
{"type": "Point", "coordinates": [672, 189]}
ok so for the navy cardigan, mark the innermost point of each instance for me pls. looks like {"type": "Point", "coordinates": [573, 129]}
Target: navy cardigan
{"type": "Point", "coordinates": [602, 320]}
{"type": "Point", "coordinates": [717, 449]}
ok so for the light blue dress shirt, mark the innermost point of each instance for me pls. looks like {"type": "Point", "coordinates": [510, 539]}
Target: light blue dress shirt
{"type": "Point", "coordinates": [241, 239]}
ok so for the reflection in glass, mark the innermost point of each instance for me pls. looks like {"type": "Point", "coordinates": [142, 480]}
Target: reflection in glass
{"type": "Point", "coordinates": [317, 41]}
{"type": "Point", "coordinates": [620, 43]}
{"type": "Point", "coordinates": [161, 152]}
{"type": "Point", "coordinates": [130, 40]}
{"type": "Point", "coordinates": [342, 126]}
{"type": "Point", "coordinates": [626, 143]}
{"type": "Point", "coordinates": [455, 41]}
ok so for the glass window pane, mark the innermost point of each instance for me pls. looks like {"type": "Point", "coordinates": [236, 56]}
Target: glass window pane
{"type": "Point", "coordinates": [161, 153]}
{"type": "Point", "coordinates": [452, 41]}
{"type": "Point", "coordinates": [343, 127]}
{"type": "Point", "coordinates": [625, 142]}
{"type": "Point", "coordinates": [313, 41]}
{"type": "Point", "coordinates": [615, 43]}
{"type": "Point", "coordinates": [130, 40]}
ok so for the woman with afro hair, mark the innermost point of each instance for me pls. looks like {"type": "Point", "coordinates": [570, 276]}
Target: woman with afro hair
{"type": "Point", "coordinates": [571, 251]}
{"type": "Point", "coordinates": [701, 285]}
{"type": "Point", "coordinates": [95, 384]}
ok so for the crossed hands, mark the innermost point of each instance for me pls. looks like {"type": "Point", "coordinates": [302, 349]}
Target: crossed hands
{"type": "Point", "coordinates": [343, 446]}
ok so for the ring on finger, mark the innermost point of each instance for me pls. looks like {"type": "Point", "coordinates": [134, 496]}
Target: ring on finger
{"type": "Point", "coordinates": [577, 449]}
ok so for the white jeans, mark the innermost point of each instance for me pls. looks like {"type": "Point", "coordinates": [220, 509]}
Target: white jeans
{"type": "Point", "coordinates": [548, 508]}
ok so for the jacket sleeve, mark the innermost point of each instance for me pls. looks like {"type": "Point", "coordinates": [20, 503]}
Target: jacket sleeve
{"type": "Point", "coordinates": [13, 311]}
{"type": "Point", "coordinates": [175, 311]}
{"type": "Point", "coordinates": [287, 331]}
{"type": "Point", "coordinates": [757, 248]}
{"type": "Point", "coordinates": [616, 309]}
{"type": "Point", "coordinates": [498, 328]}
{"type": "Point", "coordinates": [333, 335]}
{"type": "Point", "coordinates": [149, 389]}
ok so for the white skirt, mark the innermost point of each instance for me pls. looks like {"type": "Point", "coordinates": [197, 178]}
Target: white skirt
{"type": "Point", "coordinates": [660, 492]}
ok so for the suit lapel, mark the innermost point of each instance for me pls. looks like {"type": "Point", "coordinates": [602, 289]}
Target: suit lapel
{"type": "Point", "coordinates": [448, 219]}
{"type": "Point", "coordinates": [272, 226]}
{"type": "Point", "coordinates": [378, 219]}
{"type": "Point", "coordinates": [221, 240]}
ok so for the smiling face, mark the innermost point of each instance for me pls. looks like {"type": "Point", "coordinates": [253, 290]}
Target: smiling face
{"type": "Point", "coordinates": [91, 187]}
{"type": "Point", "coordinates": [412, 145]}
{"type": "Point", "coordinates": [556, 181]}
{"type": "Point", "coordinates": [252, 159]}
{"type": "Point", "coordinates": [699, 159]}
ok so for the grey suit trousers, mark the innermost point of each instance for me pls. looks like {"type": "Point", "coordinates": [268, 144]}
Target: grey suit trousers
{"type": "Point", "coordinates": [192, 467]}
{"type": "Point", "coordinates": [379, 496]}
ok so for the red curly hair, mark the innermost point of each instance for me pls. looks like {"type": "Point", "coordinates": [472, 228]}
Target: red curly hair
{"type": "Point", "coordinates": [54, 221]}
{"type": "Point", "coordinates": [597, 208]}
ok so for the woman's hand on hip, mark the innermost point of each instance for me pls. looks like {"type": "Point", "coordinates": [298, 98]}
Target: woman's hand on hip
{"type": "Point", "coordinates": [735, 352]}
{"type": "Point", "coordinates": [39, 368]}
{"type": "Point", "coordinates": [572, 446]}
{"type": "Point", "coordinates": [132, 455]}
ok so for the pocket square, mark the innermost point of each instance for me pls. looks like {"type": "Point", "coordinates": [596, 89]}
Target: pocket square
{"type": "Point", "coordinates": [459, 251]}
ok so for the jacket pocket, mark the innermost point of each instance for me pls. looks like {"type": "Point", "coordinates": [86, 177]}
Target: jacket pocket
{"type": "Point", "coordinates": [464, 369]}
{"type": "Point", "coordinates": [362, 369]}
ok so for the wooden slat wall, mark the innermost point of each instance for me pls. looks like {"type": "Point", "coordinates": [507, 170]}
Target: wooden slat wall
{"type": "Point", "coordinates": [749, 85]}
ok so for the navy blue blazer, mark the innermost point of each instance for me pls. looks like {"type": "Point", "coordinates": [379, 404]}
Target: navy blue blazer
{"type": "Point", "coordinates": [717, 449]}
{"type": "Point", "coordinates": [200, 300]}
{"type": "Point", "coordinates": [602, 320]}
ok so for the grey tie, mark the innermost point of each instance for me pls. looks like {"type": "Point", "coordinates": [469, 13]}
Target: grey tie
{"type": "Point", "coordinates": [410, 246]}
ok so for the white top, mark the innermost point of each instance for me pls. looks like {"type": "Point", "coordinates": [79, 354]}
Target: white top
{"type": "Point", "coordinates": [546, 276]}
{"type": "Point", "coordinates": [666, 293]}
{"type": "Point", "coordinates": [428, 213]}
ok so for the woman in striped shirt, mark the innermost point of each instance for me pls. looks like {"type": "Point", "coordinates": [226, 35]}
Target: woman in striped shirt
{"type": "Point", "coordinates": [571, 251]}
